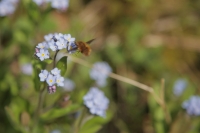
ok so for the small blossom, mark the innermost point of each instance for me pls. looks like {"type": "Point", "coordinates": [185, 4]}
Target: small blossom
{"type": "Point", "coordinates": [59, 81]}
{"type": "Point", "coordinates": [43, 54]}
{"type": "Point", "coordinates": [60, 4]}
{"type": "Point", "coordinates": [43, 75]}
{"type": "Point", "coordinates": [27, 69]}
{"type": "Point", "coordinates": [69, 39]}
{"type": "Point", "coordinates": [68, 84]}
{"type": "Point", "coordinates": [51, 89]}
{"type": "Point", "coordinates": [42, 45]}
{"type": "Point", "coordinates": [7, 7]}
{"type": "Point", "coordinates": [179, 87]}
{"type": "Point", "coordinates": [96, 102]}
{"type": "Point", "coordinates": [48, 37]}
{"type": "Point", "coordinates": [61, 44]}
{"type": "Point", "coordinates": [55, 72]}
{"type": "Point", "coordinates": [51, 80]}
{"type": "Point", "coordinates": [100, 72]}
{"type": "Point", "coordinates": [53, 45]}
{"type": "Point", "coordinates": [192, 105]}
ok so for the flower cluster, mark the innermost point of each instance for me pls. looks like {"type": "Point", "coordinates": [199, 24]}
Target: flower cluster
{"type": "Point", "coordinates": [52, 78]}
{"type": "Point", "coordinates": [57, 4]}
{"type": "Point", "coordinates": [7, 7]}
{"type": "Point", "coordinates": [100, 72]}
{"type": "Point", "coordinates": [96, 101]}
{"type": "Point", "coordinates": [192, 105]}
{"type": "Point", "coordinates": [56, 41]}
{"type": "Point", "coordinates": [179, 87]}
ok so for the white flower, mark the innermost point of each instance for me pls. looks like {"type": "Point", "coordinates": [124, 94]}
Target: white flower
{"type": "Point", "coordinates": [43, 54]}
{"type": "Point", "coordinates": [68, 84]}
{"type": "Point", "coordinates": [96, 101]}
{"type": "Point", "coordinates": [100, 72]}
{"type": "Point", "coordinates": [55, 72]}
{"type": "Point", "coordinates": [51, 80]}
{"type": "Point", "coordinates": [53, 45]}
{"type": "Point", "coordinates": [43, 75]}
{"type": "Point", "coordinates": [27, 69]}
{"type": "Point", "coordinates": [68, 38]}
{"type": "Point", "coordinates": [59, 81]}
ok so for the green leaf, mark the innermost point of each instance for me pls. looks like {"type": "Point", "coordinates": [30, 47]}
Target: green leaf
{"type": "Point", "coordinates": [95, 123]}
{"type": "Point", "coordinates": [56, 113]}
{"type": "Point", "coordinates": [48, 61]}
{"type": "Point", "coordinates": [62, 65]}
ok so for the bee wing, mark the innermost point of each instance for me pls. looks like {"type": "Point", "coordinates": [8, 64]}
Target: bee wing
{"type": "Point", "coordinates": [72, 47]}
{"type": "Point", "coordinates": [88, 42]}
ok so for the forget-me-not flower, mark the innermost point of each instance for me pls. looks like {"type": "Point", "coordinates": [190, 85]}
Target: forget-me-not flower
{"type": "Point", "coordinates": [69, 38]}
{"type": "Point", "coordinates": [96, 102]}
{"type": "Point", "coordinates": [52, 45]}
{"type": "Point", "coordinates": [100, 72]}
{"type": "Point", "coordinates": [27, 69]}
{"type": "Point", "coordinates": [42, 45]}
{"type": "Point", "coordinates": [68, 84]}
{"type": "Point", "coordinates": [43, 75]}
{"type": "Point", "coordinates": [59, 81]}
{"type": "Point", "coordinates": [60, 4]}
{"type": "Point", "coordinates": [192, 105]}
{"type": "Point", "coordinates": [179, 87]}
{"type": "Point", "coordinates": [55, 72]}
{"type": "Point", "coordinates": [51, 80]}
{"type": "Point", "coordinates": [43, 54]}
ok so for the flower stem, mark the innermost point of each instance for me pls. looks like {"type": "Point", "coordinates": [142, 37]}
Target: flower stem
{"type": "Point", "coordinates": [54, 58]}
{"type": "Point", "coordinates": [79, 121]}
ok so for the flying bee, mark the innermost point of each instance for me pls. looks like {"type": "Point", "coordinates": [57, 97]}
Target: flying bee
{"type": "Point", "coordinates": [80, 46]}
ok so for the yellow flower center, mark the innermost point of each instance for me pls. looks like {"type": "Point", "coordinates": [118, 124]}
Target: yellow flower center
{"type": "Point", "coordinates": [58, 80]}
{"type": "Point", "coordinates": [43, 54]}
{"type": "Point", "coordinates": [51, 80]}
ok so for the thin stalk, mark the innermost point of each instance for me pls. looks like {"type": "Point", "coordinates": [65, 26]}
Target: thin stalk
{"type": "Point", "coordinates": [54, 58]}
{"type": "Point", "coordinates": [80, 120]}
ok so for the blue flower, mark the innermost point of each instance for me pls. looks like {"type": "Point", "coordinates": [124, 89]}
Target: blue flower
{"type": "Point", "coordinates": [69, 38]}
{"type": "Point", "coordinates": [42, 45]}
{"type": "Point", "coordinates": [96, 102]}
{"type": "Point", "coordinates": [43, 54]}
{"type": "Point", "coordinates": [61, 43]}
{"type": "Point", "coordinates": [59, 81]}
{"type": "Point", "coordinates": [51, 80]}
{"type": "Point", "coordinates": [60, 4]}
{"type": "Point", "coordinates": [27, 69]}
{"type": "Point", "coordinates": [43, 75]}
{"type": "Point", "coordinates": [100, 72]}
{"type": "Point", "coordinates": [7, 7]}
{"type": "Point", "coordinates": [192, 105]}
{"type": "Point", "coordinates": [53, 45]}
{"type": "Point", "coordinates": [179, 87]}
{"type": "Point", "coordinates": [68, 84]}
{"type": "Point", "coordinates": [48, 37]}
{"type": "Point", "coordinates": [55, 72]}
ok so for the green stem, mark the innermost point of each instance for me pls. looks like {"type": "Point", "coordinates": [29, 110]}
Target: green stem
{"type": "Point", "coordinates": [79, 121]}
{"type": "Point", "coordinates": [54, 58]}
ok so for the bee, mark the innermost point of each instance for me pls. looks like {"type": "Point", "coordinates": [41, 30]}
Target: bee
{"type": "Point", "coordinates": [80, 46]}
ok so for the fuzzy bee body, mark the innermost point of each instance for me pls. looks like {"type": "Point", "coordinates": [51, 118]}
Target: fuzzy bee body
{"type": "Point", "coordinates": [80, 46]}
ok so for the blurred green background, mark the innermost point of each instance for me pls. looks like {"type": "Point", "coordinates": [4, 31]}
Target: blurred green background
{"type": "Point", "coordinates": [145, 40]}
